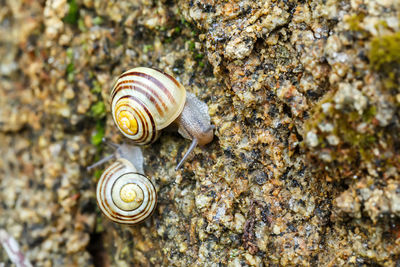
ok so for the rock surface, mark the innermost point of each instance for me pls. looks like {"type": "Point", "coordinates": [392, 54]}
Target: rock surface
{"type": "Point", "coordinates": [304, 168]}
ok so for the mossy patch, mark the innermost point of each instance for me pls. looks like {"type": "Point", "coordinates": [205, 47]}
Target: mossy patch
{"type": "Point", "coordinates": [81, 25]}
{"type": "Point", "coordinates": [181, 30]}
{"type": "Point", "coordinates": [98, 134]}
{"type": "Point", "coordinates": [73, 13]}
{"type": "Point", "coordinates": [384, 54]}
{"type": "Point", "coordinates": [98, 110]}
{"type": "Point", "coordinates": [346, 138]}
{"type": "Point", "coordinates": [96, 88]}
{"type": "Point", "coordinates": [70, 69]}
{"type": "Point", "coordinates": [354, 21]}
{"type": "Point", "coordinates": [98, 20]}
{"type": "Point", "coordinates": [99, 223]}
{"type": "Point", "coordinates": [147, 48]}
{"type": "Point", "coordinates": [97, 174]}
{"type": "Point", "coordinates": [356, 134]}
{"type": "Point", "coordinates": [97, 140]}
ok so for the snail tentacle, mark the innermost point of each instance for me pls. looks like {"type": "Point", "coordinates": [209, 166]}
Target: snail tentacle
{"type": "Point", "coordinates": [195, 124]}
{"type": "Point", "coordinates": [109, 143]}
{"type": "Point", "coordinates": [100, 162]}
{"type": "Point", "coordinates": [191, 148]}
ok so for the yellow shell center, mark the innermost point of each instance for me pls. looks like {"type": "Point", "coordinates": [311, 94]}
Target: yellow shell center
{"type": "Point", "coordinates": [131, 193]}
{"type": "Point", "coordinates": [127, 122]}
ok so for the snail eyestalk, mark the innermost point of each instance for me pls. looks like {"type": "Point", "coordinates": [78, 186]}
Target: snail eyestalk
{"type": "Point", "coordinates": [191, 148]}
{"type": "Point", "coordinates": [195, 124]}
{"type": "Point", "coordinates": [110, 144]}
{"type": "Point", "coordinates": [100, 162]}
{"type": "Point", "coordinates": [132, 153]}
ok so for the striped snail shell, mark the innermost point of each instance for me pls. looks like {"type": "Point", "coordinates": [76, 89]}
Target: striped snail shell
{"type": "Point", "coordinates": [123, 193]}
{"type": "Point", "coordinates": [146, 100]}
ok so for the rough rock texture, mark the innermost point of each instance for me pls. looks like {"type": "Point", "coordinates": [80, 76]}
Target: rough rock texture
{"type": "Point", "coordinates": [305, 165]}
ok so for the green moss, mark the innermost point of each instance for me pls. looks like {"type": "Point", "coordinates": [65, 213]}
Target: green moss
{"type": "Point", "coordinates": [70, 69]}
{"type": "Point", "coordinates": [168, 40]}
{"type": "Point", "coordinates": [73, 13]}
{"type": "Point", "coordinates": [148, 48]}
{"type": "Point", "coordinates": [191, 45]}
{"type": "Point", "coordinates": [161, 28]}
{"type": "Point", "coordinates": [81, 25]}
{"type": "Point", "coordinates": [98, 20]}
{"type": "Point", "coordinates": [358, 142]}
{"type": "Point", "coordinates": [317, 115]}
{"type": "Point", "coordinates": [234, 253]}
{"type": "Point", "coordinates": [185, 22]}
{"type": "Point", "coordinates": [96, 89]}
{"type": "Point", "coordinates": [97, 174]}
{"type": "Point", "coordinates": [198, 56]}
{"type": "Point", "coordinates": [98, 134]}
{"type": "Point", "coordinates": [70, 72]}
{"type": "Point", "coordinates": [369, 114]}
{"type": "Point", "coordinates": [352, 143]}
{"type": "Point", "coordinates": [354, 21]}
{"type": "Point", "coordinates": [384, 54]}
{"type": "Point", "coordinates": [70, 54]}
{"type": "Point", "coordinates": [99, 224]}
{"type": "Point", "coordinates": [360, 138]}
{"type": "Point", "coordinates": [98, 110]}
{"type": "Point", "coordinates": [195, 32]}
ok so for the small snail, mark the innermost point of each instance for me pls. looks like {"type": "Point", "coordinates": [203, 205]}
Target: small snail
{"type": "Point", "coordinates": [146, 100]}
{"type": "Point", "coordinates": [123, 193]}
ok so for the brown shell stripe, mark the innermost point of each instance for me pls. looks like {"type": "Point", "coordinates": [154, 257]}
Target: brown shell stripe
{"type": "Point", "coordinates": [129, 219]}
{"type": "Point", "coordinates": [153, 80]}
{"type": "Point", "coordinates": [108, 176]}
{"type": "Point", "coordinates": [170, 77]}
{"type": "Point", "coordinates": [143, 121]}
{"type": "Point", "coordinates": [140, 84]}
{"type": "Point", "coordinates": [145, 93]}
{"type": "Point", "coordinates": [109, 173]}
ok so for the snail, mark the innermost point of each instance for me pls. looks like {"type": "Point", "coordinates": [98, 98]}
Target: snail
{"type": "Point", "coordinates": [145, 101]}
{"type": "Point", "coordinates": [124, 194]}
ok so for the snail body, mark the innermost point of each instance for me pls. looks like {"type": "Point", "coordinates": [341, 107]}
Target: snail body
{"type": "Point", "coordinates": [124, 194]}
{"type": "Point", "coordinates": [145, 101]}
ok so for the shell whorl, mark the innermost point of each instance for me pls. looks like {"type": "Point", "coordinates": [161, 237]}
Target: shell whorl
{"type": "Point", "coordinates": [144, 101]}
{"type": "Point", "coordinates": [124, 195]}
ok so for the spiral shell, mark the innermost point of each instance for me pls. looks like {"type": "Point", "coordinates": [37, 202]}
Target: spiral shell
{"type": "Point", "coordinates": [144, 101]}
{"type": "Point", "coordinates": [124, 195]}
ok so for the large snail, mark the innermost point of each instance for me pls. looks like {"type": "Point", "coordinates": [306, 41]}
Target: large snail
{"type": "Point", "coordinates": [123, 193]}
{"type": "Point", "coordinates": [146, 100]}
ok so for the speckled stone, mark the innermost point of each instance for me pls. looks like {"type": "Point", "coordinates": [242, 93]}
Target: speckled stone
{"type": "Point", "coordinates": [304, 168]}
